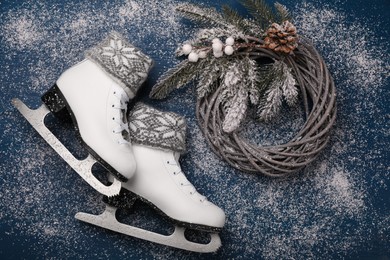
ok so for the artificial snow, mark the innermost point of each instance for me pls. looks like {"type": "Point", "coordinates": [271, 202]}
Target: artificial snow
{"type": "Point", "coordinates": [325, 210]}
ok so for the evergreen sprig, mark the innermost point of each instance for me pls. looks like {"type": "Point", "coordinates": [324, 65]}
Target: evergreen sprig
{"type": "Point", "coordinates": [208, 80]}
{"type": "Point", "coordinates": [208, 16]}
{"type": "Point", "coordinates": [260, 11]}
{"type": "Point", "coordinates": [277, 84]}
{"type": "Point", "coordinates": [234, 18]}
{"type": "Point", "coordinates": [243, 82]}
{"type": "Point", "coordinates": [239, 89]}
{"type": "Point", "coordinates": [283, 13]}
{"type": "Point", "coordinates": [236, 112]}
{"type": "Point", "coordinates": [265, 14]}
{"type": "Point", "coordinates": [176, 77]}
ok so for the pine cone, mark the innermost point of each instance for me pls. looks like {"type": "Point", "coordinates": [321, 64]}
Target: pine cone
{"type": "Point", "coordinates": [281, 38]}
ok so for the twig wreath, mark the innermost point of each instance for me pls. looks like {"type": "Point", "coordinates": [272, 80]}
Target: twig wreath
{"type": "Point", "coordinates": [254, 63]}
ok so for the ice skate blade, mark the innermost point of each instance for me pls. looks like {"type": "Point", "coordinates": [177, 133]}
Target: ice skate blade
{"type": "Point", "coordinates": [82, 167]}
{"type": "Point", "coordinates": [177, 239]}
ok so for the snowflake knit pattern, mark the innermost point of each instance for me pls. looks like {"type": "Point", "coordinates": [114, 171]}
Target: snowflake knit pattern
{"type": "Point", "coordinates": [125, 63]}
{"type": "Point", "coordinates": [154, 128]}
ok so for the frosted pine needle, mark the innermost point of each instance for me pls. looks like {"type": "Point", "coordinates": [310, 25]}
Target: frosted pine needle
{"type": "Point", "coordinates": [231, 79]}
{"type": "Point", "coordinates": [273, 102]}
{"type": "Point", "coordinates": [237, 110]}
{"type": "Point", "coordinates": [282, 85]}
{"type": "Point", "coordinates": [289, 89]}
{"type": "Point", "coordinates": [234, 96]}
{"type": "Point", "coordinates": [207, 80]}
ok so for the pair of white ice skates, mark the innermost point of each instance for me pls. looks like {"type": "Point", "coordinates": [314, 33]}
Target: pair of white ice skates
{"type": "Point", "coordinates": [140, 149]}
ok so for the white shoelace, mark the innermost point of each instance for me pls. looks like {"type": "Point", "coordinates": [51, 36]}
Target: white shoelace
{"type": "Point", "coordinates": [184, 182]}
{"type": "Point", "coordinates": [120, 119]}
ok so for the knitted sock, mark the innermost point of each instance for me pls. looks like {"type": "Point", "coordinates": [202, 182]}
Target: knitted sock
{"type": "Point", "coordinates": [154, 128]}
{"type": "Point", "coordinates": [126, 64]}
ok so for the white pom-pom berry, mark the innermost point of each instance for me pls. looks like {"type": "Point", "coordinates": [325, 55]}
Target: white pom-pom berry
{"type": "Point", "coordinates": [202, 54]}
{"type": "Point", "coordinates": [229, 41]}
{"type": "Point", "coordinates": [229, 50]}
{"type": "Point", "coordinates": [218, 54]}
{"type": "Point", "coordinates": [193, 57]}
{"type": "Point", "coordinates": [217, 46]}
{"type": "Point", "coordinates": [216, 40]}
{"type": "Point", "coordinates": [186, 49]}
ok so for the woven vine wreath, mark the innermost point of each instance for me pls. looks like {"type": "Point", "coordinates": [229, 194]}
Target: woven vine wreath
{"type": "Point", "coordinates": [261, 65]}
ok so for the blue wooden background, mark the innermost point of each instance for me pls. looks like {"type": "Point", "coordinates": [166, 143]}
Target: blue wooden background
{"type": "Point", "coordinates": [336, 208]}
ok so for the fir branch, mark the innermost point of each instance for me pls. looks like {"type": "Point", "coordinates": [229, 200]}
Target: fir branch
{"type": "Point", "coordinates": [234, 18]}
{"type": "Point", "coordinates": [272, 104]}
{"type": "Point", "coordinates": [283, 13]}
{"type": "Point", "coordinates": [237, 109]}
{"type": "Point", "coordinates": [200, 14]}
{"type": "Point", "coordinates": [279, 83]}
{"type": "Point", "coordinates": [260, 11]}
{"type": "Point", "coordinates": [238, 83]}
{"type": "Point", "coordinates": [252, 28]}
{"type": "Point", "coordinates": [209, 34]}
{"type": "Point", "coordinates": [226, 23]}
{"type": "Point", "coordinates": [230, 79]}
{"type": "Point", "coordinates": [266, 75]}
{"type": "Point", "coordinates": [176, 77]}
{"type": "Point", "coordinates": [208, 79]}
{"type": "Point", "coordinates": [290, 91]}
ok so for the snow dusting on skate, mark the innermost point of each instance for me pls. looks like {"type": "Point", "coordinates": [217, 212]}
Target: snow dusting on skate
{"type": "Point", "coordinates": [325, 210]}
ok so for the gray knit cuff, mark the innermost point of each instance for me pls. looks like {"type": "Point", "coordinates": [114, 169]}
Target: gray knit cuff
{"type": "Point", "coordinates": [125, 64]}
{"type": "Point", "coordinates": [152, 127]}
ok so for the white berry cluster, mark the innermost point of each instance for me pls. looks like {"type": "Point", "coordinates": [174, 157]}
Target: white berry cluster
{"type": "Point", "coordinates": [217, 47]}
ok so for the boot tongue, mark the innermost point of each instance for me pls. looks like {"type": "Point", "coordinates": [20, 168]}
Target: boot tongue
{"type": "Point", "coordinates": [176, 155]}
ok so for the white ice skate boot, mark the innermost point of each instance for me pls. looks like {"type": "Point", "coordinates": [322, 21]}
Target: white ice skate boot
{"type": "Point", "coordinates": [158, 139]}
{"type": "Point", "coordinates": [95, 92]}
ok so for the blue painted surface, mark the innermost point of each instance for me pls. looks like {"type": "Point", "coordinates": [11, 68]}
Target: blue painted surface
{"type": "Point", "coordinates": [338, 207]}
